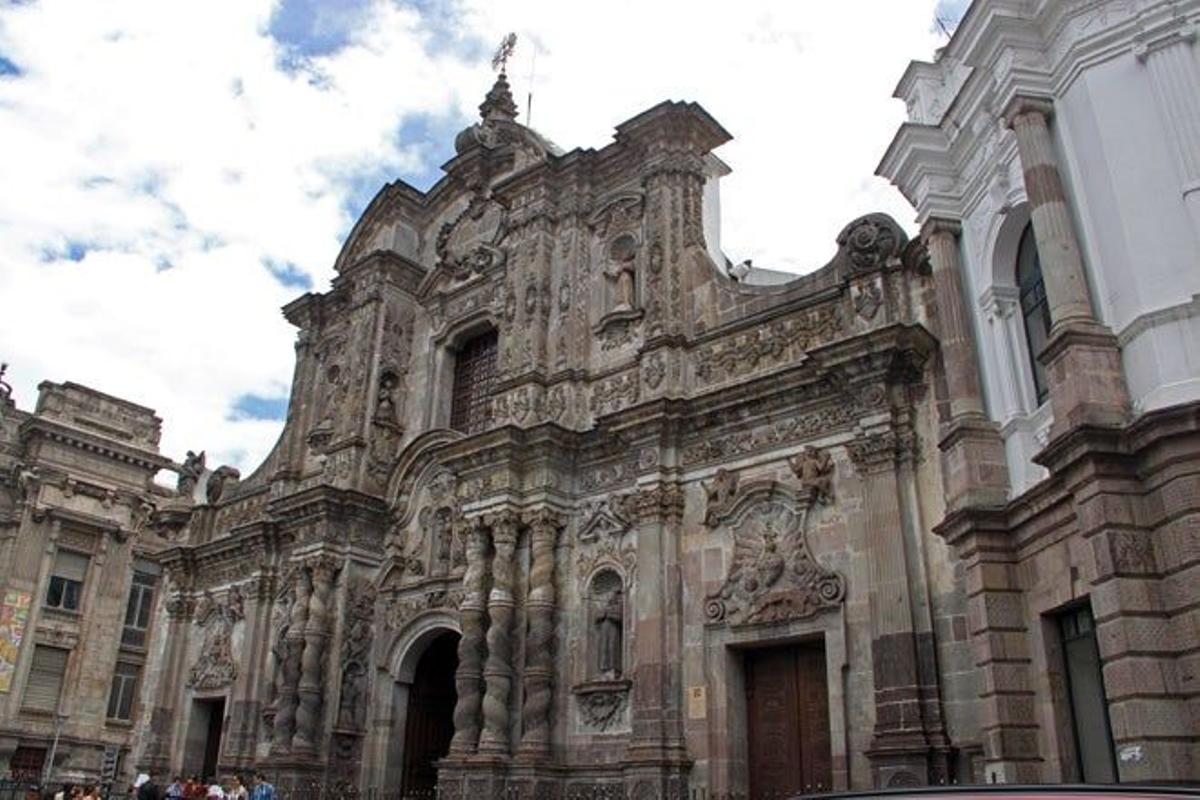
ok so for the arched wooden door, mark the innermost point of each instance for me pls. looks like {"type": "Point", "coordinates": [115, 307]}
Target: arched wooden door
{"type": "Point", "coordinates": [430, 721]}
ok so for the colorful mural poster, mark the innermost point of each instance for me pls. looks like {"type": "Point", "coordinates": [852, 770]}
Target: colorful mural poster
{"type": "Point", "coordinates": [14, 613]}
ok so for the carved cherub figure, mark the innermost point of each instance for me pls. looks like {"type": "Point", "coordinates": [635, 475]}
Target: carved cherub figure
{"type": "Point", "coordinates": [814, 468]}
{"type": "Point", "coordinates": [720, 493]}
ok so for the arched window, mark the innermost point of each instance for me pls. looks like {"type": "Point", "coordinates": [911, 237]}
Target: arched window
{"type": "Point", "coordinates": [474, 381]}
{"type": "Point", "coordinates": [1035, 311]}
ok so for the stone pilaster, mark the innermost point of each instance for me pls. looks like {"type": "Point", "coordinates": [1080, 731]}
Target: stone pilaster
{"type": "Point", "coordinates": [312, 665]}
{"type": "Point", "coordinates": [974, 468]}
{"type": "Point", "coordinates": [539, 647]}
{"type": "Point", "coordinates": [498, 670]}
{"type": "Point", "coordinates": [1078, 344]}
{"type": "Point", "coordinates": [900, 749]}
{"type": "Point", "coordinates": [656, 746]}
{"type": "Point", "coordinates": [469, 677]}
{"type": "Point", "coordinates": [159, 753]}
{"type": "Point", "coordinates": [996, 619]}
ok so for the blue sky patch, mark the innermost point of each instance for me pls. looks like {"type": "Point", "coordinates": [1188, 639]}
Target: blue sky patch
{"type": "Point", "coordinates": [9, 68]}
{"type": "Point", "coordinates": [310, 28]}
{"type": "Point", "coordinates": [70, 251]}
{"type": "Point", "coordinates": [288, 274]}
{"type": "Point", "coordinates": [253, 406]}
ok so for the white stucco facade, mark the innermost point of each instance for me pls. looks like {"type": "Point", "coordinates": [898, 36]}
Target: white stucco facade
{"type": "Point", "coordinates": [1123, 77]}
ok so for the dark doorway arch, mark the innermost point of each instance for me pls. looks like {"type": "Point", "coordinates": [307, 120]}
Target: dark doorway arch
{"type": "Point", "coordinates": [429, 723]}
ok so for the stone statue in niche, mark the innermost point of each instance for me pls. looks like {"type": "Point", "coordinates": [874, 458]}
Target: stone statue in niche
{"type": "Point", "coordinates": [608, 622]}
{"type": "Point", "coordinates": [385, 406]}
{"type": "Point", "coordinates": [621, 273]}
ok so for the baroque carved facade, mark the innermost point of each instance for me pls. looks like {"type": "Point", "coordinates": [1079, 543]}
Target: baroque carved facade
{"type": "Point", "coordinates": [565, 506]}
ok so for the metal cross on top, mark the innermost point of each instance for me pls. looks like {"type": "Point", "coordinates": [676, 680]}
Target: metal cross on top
{"type": "Point", "coordinates": [503, 52]}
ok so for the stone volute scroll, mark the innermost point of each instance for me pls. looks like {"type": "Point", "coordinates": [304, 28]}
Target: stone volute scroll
{"type": "Point", "coordinates": [773, 575]}
{"type": "Point", "coordinates": [869, 243]}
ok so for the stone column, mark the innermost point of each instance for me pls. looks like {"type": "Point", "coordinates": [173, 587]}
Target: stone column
{"type": "Point", "coordinates": [497, 671]}
{"type": "Point", "coordinates": [312, 665]}
{"type": "Point", "coordinates": [974, 467]}
{"type": "Point", "coordinates": [1078, 345]}
{"type": "Point", "coordinates": [469, 676]}
{"type": "Point", "coordinates": [287, 688]}
{"type": "Point", "coordinates": [899, 749]}
{"type": "Point", "coordinates": [539, 647]}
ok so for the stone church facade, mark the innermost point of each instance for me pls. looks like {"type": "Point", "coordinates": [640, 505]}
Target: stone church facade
{"type": "Point", "coordinates": [565, 503]}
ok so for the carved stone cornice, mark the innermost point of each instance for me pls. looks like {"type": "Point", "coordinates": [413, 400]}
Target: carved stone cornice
{"type": "Point", "coordinates": [941, 226]}
{"type": "Point", "coordinates": [662, 502]}
{"type": "Point", "coordinates": [874, 453]}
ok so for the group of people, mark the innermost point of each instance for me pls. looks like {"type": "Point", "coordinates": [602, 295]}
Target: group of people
{"type": "Point", "coordinates": [232, 788]}
{"type": "Point", "coordinates": [71, 792]}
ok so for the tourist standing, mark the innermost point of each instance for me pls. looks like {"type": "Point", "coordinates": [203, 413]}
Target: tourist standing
{"type": "Point", "coordinates": [237, 789]}
{"type": "Point", "coordinates": [262, 789]}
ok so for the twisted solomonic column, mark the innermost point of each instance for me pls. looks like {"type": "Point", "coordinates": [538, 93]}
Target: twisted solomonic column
{"type": "Point", "coordinates": [289, 671]}
{"type": "Point", "coordinates": [312, 665]}
{"type": "Point", "coordinates": [468, 678]}
{"type": "Point", "coordinates": [539, 647]}
{"type": "Point", "coordinates": [497, 672]}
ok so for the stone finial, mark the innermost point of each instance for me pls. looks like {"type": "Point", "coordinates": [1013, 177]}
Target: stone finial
{"type": "Point", "coordinates": [5, 386]}
{"type": "Point", "coordinates": [499, 104]}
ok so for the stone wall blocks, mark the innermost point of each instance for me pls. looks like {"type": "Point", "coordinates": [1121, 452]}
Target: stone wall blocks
{"type": "Point", "coordinates": [1150, 717]}
{"type": "Point", "coordinates": [1140, 675]}
{"type": "Point", "coordinates": [1125, 595]}
{"type": "Point", "coordinates": [1130, 634]}
{"type": "Point", "coordinates": [1004, 610]}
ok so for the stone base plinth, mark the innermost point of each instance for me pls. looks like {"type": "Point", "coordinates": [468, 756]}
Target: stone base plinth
{"type": "Point", "coordinates": [1087, 383]}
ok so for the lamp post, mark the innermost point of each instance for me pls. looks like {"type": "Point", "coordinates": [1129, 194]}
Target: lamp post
{"type": "Point", "coordinates": [48, 769]}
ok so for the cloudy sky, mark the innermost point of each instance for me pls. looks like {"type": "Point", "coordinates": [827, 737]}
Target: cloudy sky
{"type": "Point", "coordinates": [173, 172]}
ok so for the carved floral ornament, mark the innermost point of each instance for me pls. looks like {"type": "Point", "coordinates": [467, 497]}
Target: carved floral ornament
{"type": "Point", "coordinates": [773, 576]}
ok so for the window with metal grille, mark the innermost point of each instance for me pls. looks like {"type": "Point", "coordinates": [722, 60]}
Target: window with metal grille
{"type": "Point", "coordinates": [44, 685]}
{"type": "Point", "coordinates": [26, 763]}
{"type": "Point", "coordinates": [474, 380]}
{"type": "Point", "coordinates": [66, 580]}
{"type": "Point", "coordinates": [137, 612]}
{"type": "Point", "coordinates": [1035, 309]}
{"type": "Point", "coordinates": [124, 687]}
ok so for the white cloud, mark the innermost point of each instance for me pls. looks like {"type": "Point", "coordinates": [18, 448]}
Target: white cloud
{"type": "Point", "coordinates": [159, 135]}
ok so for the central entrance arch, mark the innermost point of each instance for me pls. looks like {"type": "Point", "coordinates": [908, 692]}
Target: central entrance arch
{"type": "Point", "coordinates": [429, 721]}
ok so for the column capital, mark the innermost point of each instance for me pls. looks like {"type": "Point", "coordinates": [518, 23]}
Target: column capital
{"type": "Point", "coordinates": [940, 226]}
{"type": "Point", "coordinates": [1024, 104]}
{"type": "Point", "coordinates": [504, 525]}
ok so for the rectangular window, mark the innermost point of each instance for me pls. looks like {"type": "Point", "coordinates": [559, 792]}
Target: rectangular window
{"type": "Point", "coordinates": [66, 580]}
{"type": "Point", "coordinates": [44, 685]}
{"type": "Point", "coordinates": [474, 380]}
{"type": "Point", "coordinates": [137, 611]}
{"type": "Point", "coordinates": [124, 687]}
{"type": "Point", "coordinates": [26, 763]}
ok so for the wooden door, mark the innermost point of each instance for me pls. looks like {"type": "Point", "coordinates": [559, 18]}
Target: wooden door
{"type": "Point", "coordinates": [787, 708]}
{"type": "Point", "coordinates": [430, 723]}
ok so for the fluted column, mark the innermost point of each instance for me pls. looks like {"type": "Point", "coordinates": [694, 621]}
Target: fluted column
{"type": "Point", "coordinates": [539, 648]}
{"type": "Point", "coordinates": [974, 467]}
{"type": "Point", "coordinates": [1053, 229]}
{"type": "Point", "coordinates": [1173, 75]}
{"type": "Point", "coordinates": [469, 676]}
{"type": "Point", "coordinates": [497, 671]}
{"type": "Point", "coordinates": [312, 665]}
{"type": "Point", "coordinates": [1083, 362]}
{"type": "Point", "coordinates": [287, 691]}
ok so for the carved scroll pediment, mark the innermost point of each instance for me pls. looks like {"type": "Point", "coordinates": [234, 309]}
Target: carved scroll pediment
{"type": "Point", "coordinates": [601, 519]}
{"type": "Point", "coordinates": [469, 245]}
{"type": "Point", "coordinates": [773, 576]}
